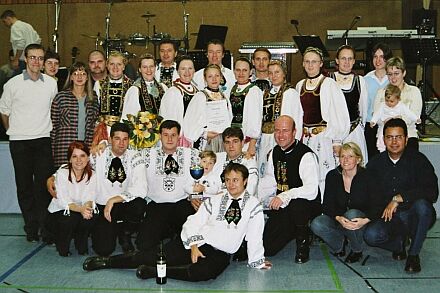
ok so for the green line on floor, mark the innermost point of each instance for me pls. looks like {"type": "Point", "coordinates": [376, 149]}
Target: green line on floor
{"type": "Point", "coordinates": [47, 288]}
{"type": "Point", "coordinates": [331, 267]}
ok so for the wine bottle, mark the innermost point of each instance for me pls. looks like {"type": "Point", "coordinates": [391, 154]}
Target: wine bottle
{"type": "Point", "coordinates": [161, 266]}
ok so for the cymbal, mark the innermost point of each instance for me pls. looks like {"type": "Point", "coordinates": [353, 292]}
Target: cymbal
{"type": "Point", "coordinates": [92, 37]}
{"type": "Point", "coordinates": [148, 14]}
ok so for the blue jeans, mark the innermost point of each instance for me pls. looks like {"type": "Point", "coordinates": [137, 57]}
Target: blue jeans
{"type": "Point", "coordinates": [413, 222]}
{"type": "Point", "coordinates": [333, 233]}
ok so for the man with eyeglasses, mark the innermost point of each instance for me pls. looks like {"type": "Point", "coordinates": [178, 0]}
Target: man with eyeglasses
{"type": "Point", "coordinates": [403, 188]}
{"type": "Point", "coordinates": [25, 111]}
{"type": "Point", "coordinates": [22, 34]}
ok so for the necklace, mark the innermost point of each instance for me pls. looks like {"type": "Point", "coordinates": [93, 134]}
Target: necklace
{"type": "Point", "coordinates": [313, 81]}
{"type": "Point", "coordinates": [344, 78]}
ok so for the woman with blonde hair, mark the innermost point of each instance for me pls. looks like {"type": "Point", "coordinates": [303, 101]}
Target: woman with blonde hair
{"type": "Point", "coordinates": [346, 205]}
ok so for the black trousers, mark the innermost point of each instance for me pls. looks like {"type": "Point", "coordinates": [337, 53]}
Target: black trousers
{"type": "Point", "coordinates": [68, 227]}
{"type": "Point", "coordinates": [285, 224]}
{"type": "Point", "coordinates": [163, 220]}
{"type": "Point", "coordinates": [179, 264]}
{"type": "Point", "coordinates": [104, 233]}
{"type": "Point", "coordinates": [33, 164]}
{"type": "Point", "coordinates": [371, 139]}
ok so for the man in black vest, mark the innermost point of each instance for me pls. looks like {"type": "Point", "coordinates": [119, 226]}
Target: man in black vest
{"type": "Point", "coordinates": [290, 190]}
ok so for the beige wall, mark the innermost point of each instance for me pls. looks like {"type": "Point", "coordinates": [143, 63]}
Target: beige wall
{"type": "Point", "coordinates": [247, 21]}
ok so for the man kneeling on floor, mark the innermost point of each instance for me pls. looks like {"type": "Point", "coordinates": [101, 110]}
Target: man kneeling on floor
{"type": "Point", "coordinates": [202, 251]}
{"type": "Point", "coordinates": [290, 191]}
{"type": "Point", "coordinates": [404, 187]}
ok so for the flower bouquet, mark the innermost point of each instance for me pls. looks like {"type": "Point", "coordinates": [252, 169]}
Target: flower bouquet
{"type": "Point", "coordinates": [144, 129]}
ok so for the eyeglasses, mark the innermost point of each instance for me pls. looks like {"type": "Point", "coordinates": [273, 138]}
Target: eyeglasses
{"type": "Point", "coordinates": [394, 137]}
{"type": "Point", "coordinates": [312, 62]}
{"type": "Point", "coordinates": [33, 58]}
{"type": "Point", "coordinates": [394, 74]}
{"type": "Point", "coordinates": [346, 59]}
{"type": "Point", "coordinates": [79, 73]}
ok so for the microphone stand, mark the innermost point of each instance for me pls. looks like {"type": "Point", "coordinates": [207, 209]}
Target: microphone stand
{"type": "Point", "coordinates": [354, 21]}
{"type": "Point", "coordinates": [296, 23]}
{"type": "Point", "coordinates": [57, 20]}
{"type": "Point", "coordinates": [185, 27]}
{"type": "Point", "coordinates": [107, 28]}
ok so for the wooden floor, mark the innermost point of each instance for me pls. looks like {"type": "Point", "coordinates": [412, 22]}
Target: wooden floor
{"type": "Point", "coordinates": [34, 267]}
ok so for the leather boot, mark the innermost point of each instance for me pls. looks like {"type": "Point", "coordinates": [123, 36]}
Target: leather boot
{"type": "Point", "coordinates": [96, 263]}
{"type": "Point", "coordinates": [302, 245]}
{"type": "Point", "coordinates": [146, 272]}
{"type": "Point", "coordinates": [120, 261]}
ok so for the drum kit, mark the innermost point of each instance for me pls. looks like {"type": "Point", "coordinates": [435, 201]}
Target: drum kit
{"type": "Point", "coordinates": [118, 42]}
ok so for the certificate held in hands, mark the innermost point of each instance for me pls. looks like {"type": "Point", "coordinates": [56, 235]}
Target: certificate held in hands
{"type": "Point", "coordinates": [218, 116]}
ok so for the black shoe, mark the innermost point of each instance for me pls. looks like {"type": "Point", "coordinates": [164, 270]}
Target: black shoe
{"type": "Point", "coordinates": [125, 242]}
{"type": "Point", "coordinates": [400, 255]}
{"type": "Point", "coordinates": [96, 263]}
{"type": "Point", "coordinates": [339, 254]}
{"type": "Point", "coordinates": [413, 264]}
{"type": "Point", "coordinates": [353, 257]}
{"type": "Point", "coordinates": [64, 254]}
{"type": "Point", "coordinates": [48, 241]}
{"type": "Point", "coordinates": [32, 238]}
{"type": "Point", "coordinates": [145, 272]}
{"type": "Point", "coordinates": [302, 252]}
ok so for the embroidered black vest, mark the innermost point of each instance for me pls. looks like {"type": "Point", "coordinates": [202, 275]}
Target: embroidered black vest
{"type": "Point", "coordinates": [112, 96]}
{"type": "Point", "coordinates": [352, 96]}
{"type": "Point", "coordinates": [150, 101]}
{"type": "Point", "coordinates": [286, 166]}
{"type": "Point", "coordinates": [272, 103]}
{"type": "Point", "coordinates": [237, 103]}
{"type": "Point", "coordinates": [263, 84]}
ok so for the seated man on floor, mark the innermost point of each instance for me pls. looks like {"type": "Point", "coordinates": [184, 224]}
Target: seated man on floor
{"type": "Point", "coordinates": [167, 170]}
{"type": "Point", "coordinates": [404, 187]}
{"type": "Point", "coordinates": [121, 193]}
{"type": "Point", "coordinates": [208, 238]}
{"type": "Point", "coordinates": [290, 189]}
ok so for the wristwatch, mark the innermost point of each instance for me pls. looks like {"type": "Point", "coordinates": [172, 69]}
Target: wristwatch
{"type": "Point", "coordinates": [395, 198]}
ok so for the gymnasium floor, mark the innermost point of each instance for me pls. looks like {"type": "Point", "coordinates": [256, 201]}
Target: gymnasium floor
{"type": "Point", "coordinates": [34, 267]}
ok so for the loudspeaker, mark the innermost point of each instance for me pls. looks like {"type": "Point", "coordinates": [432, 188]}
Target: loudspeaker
{"type": "Point", "coordinates": [425, 21]}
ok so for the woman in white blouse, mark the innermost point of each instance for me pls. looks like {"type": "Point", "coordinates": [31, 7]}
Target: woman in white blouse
{"type": "Point", "coordinates": [146, 93]}
{"type": "Point", "coordinates": [199, 127]}
{"type": "Point", "coordinates": [177, 98]}
{"type": "Point", "coordinates": [72, 210]}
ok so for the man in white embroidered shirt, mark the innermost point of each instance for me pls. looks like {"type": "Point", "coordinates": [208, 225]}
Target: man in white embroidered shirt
{"type": "Point", "coordinates": [290, 190]}
{"type": "Point", "coordinates": [121, 193]}
{"type": "Point", "coordinates": [168, 171]}
{"type": "Point", "coordinates": [202, 252]}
